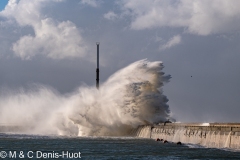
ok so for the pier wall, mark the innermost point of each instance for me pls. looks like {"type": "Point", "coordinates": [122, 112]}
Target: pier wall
{"type": "Point", "coordinates": [213, 135]}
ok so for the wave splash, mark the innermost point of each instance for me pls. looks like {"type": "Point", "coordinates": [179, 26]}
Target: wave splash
{"type": "Point", "coordinates": [131, 97]}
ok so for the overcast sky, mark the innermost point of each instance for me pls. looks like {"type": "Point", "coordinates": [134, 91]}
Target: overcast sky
{"type": "Point", "coordinates": [53, 42]}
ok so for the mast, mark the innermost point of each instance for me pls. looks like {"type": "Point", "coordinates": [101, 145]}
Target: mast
{"type": "Point", "coordinates": [97, 70]}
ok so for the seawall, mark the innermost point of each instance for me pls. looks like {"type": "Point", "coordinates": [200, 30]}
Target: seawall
{"type": "Point", "coordinates": [213, 135]}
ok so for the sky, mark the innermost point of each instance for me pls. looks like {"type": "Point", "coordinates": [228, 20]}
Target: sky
{"type": "Point", "coordinates": [53, 43]}
{"type": "Point", "coordinates": [3, 3]}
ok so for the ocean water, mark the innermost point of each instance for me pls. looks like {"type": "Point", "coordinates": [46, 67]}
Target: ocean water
{"type": "Point", "coordinates": [19, 146]}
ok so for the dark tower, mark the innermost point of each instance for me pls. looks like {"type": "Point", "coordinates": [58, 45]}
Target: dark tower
{"type": "Point", "coordinates": [97, 70]}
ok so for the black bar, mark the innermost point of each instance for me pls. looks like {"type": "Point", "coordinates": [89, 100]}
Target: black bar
{"type": "Point", "coordinates": [97, 80]}
{"type": "Point", "coordinates": [97, 70]}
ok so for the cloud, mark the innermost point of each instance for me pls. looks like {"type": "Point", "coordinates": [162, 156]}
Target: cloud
{"type": "Point", "coordinates": [172, 42]}
{"type": "Point", "coordinates": [201, 17]}
{"type": "Point", "coordinates": [92, 3]}
{"type": "Point", "coordinates": [110, 15]}
{"type": "Point", "coordinates": [57, 40]}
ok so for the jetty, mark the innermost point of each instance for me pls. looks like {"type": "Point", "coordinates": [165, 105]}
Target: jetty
{"type": "Point", "coordinates": [212, 135]}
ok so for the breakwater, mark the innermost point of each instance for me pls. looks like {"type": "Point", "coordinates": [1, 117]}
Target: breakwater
{"type": "Point", "coordinates": [213, 135]}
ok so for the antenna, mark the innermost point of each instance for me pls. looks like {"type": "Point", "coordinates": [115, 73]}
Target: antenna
{"type": "Point", "coordinates": [97, 70]}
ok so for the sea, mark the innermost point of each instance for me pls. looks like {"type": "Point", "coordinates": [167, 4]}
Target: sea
{"type": "Point", "coordinates": [22, 146]}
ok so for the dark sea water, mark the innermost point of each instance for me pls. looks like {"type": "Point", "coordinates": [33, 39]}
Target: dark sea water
{"type": "Point", "coordinates": [56, 147]}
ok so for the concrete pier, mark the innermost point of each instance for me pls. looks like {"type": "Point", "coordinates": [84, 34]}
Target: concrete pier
{"type": "Point", "coordinates": [213, 135]}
